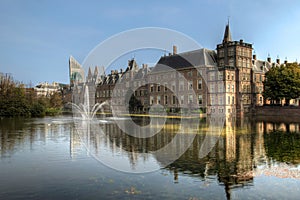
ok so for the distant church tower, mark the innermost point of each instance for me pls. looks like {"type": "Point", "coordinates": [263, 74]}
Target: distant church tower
{"type": "Point", "coordinates": [235, 62]}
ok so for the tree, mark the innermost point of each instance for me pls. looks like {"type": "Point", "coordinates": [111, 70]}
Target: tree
{"type": "Point", "coordinates": [282, 82]}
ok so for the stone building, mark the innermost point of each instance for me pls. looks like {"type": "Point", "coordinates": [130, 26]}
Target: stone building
{"type": "Point", "coordinates": [228, 80]}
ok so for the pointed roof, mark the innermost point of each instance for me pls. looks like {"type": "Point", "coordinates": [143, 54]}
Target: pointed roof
{"type": "Point", "coordinates": [227, 34]}
{"type": "Point", "coordinates": [96, 71]}
{"type": "Point", "coordinates": [90, 73]}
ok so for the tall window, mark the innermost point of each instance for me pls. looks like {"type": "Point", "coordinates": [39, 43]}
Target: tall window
{"type": "Point", "coordinates": [173, 99]}
{"type": "Point", "coordinates": [212, 76]}
{"type": "Point", "coordinates": [181, 99]}
{"type": "Point", "coordinates": [190, 98]}
{"type": "Point", "coordinates": [212, 88]}
{"type": "Point", "coordinates": [181, 85]}
{"type": "Point", "coordinates": [200, 100]}
{"type": "Point", "coordinates": [158, 99]}
{"type": "Point", "coordinates": [190, 85]}
{"type": "Point", "coordinates": [212, 100]}
{"type": "Point", "coordinates": [220, 100]}
{"type": "Point", "coordinates": [151, 100]}
{"type": "Point", "coordinates": [231, 62]}
{"type": "Point", "coordinates": [199, 84]}
{"type": "Point", "coordinates": [173, 87]}
{"type": "Point", "coordinates": [151, 88]}
{"type": "Point", "coordinates": [166, 86]}
{"type": "Point", "coordinates": [166, 100]}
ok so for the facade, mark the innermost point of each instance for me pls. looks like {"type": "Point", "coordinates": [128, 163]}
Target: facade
{"type": "Point", "coordinates": [46, 89]}
{"type": "Point", "coordinates": [228, 80]}
{"type": "Point", "coordinates": [76, 72]}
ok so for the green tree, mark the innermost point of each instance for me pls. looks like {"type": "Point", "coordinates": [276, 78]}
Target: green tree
{"type": "Point", "coordinates": [282, 82]}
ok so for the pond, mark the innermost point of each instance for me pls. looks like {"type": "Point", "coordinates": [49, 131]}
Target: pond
{"type": "Point", "coordinates": [55, 158]}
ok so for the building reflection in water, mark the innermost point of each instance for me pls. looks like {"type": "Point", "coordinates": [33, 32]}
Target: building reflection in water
{"type": "Point", "coordinates": [244, 150]}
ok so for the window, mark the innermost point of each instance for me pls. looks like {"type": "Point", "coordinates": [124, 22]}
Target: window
{"type": "Point", "coordinates": [181, 99]}
{"type": "Point", "coordinates": [221, 87]}
{"type": "Point", "coordinates": [199, 84]}
{"type": "Point", "coordinates": [228, 99]}
{"type": "Point", "coordinates": [221, 53]}
{"type": "Point", "coordinates": [232, 88]}
{"type": "Point", "coordinates": [158, 88]}
{"type": "Point", "coordinates": [200, 100]}
{"type": "Point", "coordinates": [166, 86]}
{"type": "Point", "coordinates": [158, 99]}
{"type": "Point", "coordinates": [151, 88]}
{"type": "Point", "coordinates": [212, 100]}
{"type": "Point", "coordinates": [173, 87]}
{"type": "Point", "coordinates": [166, 100]}
{"type": "Point", "coordinates": [248, 88]}
{"type": "Point", "coordinates": [232, 101]}
{"type": "Point", "coordinates": [228, 76]}
{"type": "Point", "coordinates": [190, 85]}
{"type": "Point", "coordinates": [220, 100]}
{"type": "Point", "coordinates": [151, 100]}
{"type": "Point", "coordinates": [212, 88]}
{"type": "Point", "coordinates": [239, 62]}
{"type": "Point", "coordinates": [231, 62]}
{"type": "Point", "coordinates": [228, 88]}
{"type": "Point", "coordinates": [232, 76]}
{"type": "Point", "coordinates": [212, 76]}
{"type": "Point", "coordinates": [221, 63]}
{"type": "Point", "coordinates": [190, 73]}
{"type": "Point", "coordinates": [260, 100]}
{"type": "Point", "coordinates": [173, 99]}
{"type": "Point", "coordinates": [181, 85]}
{"type": "Point", "coordinates": [220, 76]}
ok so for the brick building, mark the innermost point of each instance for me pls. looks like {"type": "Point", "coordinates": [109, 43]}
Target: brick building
{"type": "Point", "coordinates": [228, 80]}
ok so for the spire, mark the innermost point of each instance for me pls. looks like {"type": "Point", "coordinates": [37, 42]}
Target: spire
{"type": "Point", "coordinates": [227, 34]}
{"type": "Point", "coordinates": [89, 73]}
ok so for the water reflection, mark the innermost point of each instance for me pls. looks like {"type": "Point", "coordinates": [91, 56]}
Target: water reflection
{"type": "Point", "coordinates": [247, 148]}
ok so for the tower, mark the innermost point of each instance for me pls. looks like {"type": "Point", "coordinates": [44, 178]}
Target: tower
{"type": "Point", "coordinates": [234, 62]}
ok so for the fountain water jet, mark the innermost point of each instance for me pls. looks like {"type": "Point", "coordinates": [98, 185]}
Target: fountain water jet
{"type": "Point", "coordinates": [86, 112]}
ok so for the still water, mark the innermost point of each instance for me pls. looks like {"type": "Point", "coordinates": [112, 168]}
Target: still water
{"type": "Point", "coordinates": [48, 158]}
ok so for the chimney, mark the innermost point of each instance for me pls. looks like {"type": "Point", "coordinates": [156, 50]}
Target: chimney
{"type": "Point", "coordinates": [285, 61]}
{"type": "Point", "coordinates": [254, 56]}
{"type": "Point", "coordinates": [112, 72]}
{"type": "Point", "coordinates": [269, 59]}
{"type": "Point", "coordinates": [241, 41]}
{"type": "Point", "coordinates": [121, 70]}
{"type": "Point", "coordinates": [145, 66]}
{"type": "Point", "coordinates": [174, 49]}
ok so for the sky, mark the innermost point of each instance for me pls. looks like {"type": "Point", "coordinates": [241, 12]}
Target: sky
{"type": "Point", "coordinates": [38, 37]}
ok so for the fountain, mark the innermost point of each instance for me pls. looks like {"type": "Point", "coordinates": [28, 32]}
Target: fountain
{"type": "Point", "coordinates": [86, 112]}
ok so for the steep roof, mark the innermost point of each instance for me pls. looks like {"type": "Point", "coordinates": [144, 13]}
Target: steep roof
{"type": "Point", "coordinates": [200, 57]}
{"type": "Point", "coordinates": [227, 34]}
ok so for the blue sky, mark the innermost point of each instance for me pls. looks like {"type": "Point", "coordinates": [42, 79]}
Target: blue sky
{"type": "Point", "coordinates": [37, 37]}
